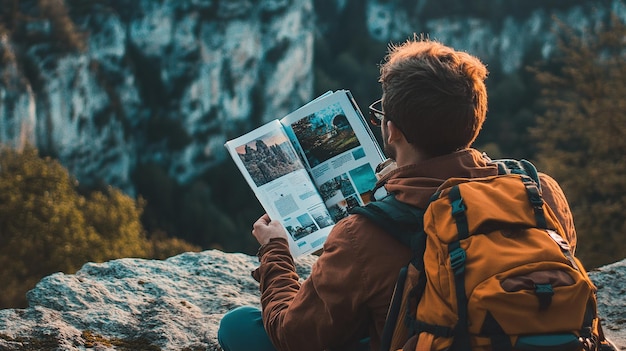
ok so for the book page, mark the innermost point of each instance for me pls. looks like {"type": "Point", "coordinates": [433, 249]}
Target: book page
{"type": "Point", "coordinates": [281, 183]}
{"type": "Point", "coordinates": [337, 148]}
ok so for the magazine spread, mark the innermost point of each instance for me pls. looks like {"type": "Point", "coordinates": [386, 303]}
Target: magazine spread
{"type": "Point", "coordinates": [311, 167]}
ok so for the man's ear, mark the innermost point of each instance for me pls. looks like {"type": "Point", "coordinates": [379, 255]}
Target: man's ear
{"type": "Point", "coordinates": [393, 133]}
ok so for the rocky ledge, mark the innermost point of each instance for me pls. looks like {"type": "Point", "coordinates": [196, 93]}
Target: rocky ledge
{"type": "Point", "coordinates": [176, 304]}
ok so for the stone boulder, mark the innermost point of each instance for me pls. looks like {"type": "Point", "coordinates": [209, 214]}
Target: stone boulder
{"type": "Point", "coordinates": [177, 303]}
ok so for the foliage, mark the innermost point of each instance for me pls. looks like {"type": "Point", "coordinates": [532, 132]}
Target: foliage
{"type": "Point", "coordinates": [581, 136]}
{"type": "Point", "coordinates": [116, 218]}
{"type": "Point", "coordinates": [46, 226]}
{"type": "Point", "coordinates": [41, 225]}
{"type": "Point", "coordinates": [163, 246]}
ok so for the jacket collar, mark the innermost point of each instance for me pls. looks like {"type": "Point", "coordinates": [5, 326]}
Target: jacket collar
{"type": "Point", "coordinates": [415, 184]}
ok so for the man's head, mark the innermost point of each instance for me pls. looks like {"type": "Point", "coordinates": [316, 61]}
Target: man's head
{"type": "Point", "coordinates": [434, 95]}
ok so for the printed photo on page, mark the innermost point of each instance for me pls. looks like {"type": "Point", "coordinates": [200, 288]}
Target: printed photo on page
{"type": "Point", "coordinates": [282, 185]}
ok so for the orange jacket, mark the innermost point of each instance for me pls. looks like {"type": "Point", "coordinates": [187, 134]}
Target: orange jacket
{"type": "Point", "coordinates": [347, 295]}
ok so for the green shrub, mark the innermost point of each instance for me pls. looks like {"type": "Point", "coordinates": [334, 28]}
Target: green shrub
{"type": "Point", "coordinates": [581, 137]}
{"type": "Point", "coordinates": [46, 226]}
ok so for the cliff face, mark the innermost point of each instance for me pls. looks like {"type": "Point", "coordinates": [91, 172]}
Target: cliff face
{"type": "Point", "coordinates": [176, 304]}
{"type": "Point", "coordinates": [204, 70]}
{"type": "Point", "coordinates": [198, 69]}
{"type": "Point", "coordinates": [501, 41]}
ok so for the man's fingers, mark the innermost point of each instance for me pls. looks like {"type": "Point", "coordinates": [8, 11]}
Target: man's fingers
{"type": "Point", "coordinates": [261, 221]}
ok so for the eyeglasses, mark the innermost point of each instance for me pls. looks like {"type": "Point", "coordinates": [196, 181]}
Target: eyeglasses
{"type": "Point", "coordinates": [376, 112]}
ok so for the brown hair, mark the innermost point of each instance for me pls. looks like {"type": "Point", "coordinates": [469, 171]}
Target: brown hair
{"type": "Point", "coordinates": [434, 94]}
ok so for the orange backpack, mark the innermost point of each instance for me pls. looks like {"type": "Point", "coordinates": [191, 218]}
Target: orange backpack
{"type": "Point", "coordinates": [491, 270]}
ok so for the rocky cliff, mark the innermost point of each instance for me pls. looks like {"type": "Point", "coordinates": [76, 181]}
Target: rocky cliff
{"type": "Point", "coordinates": [501, 41]}
{"type": "Point", "coordinates": [167, 82]}
{"type": "Point", "coordinates": [176, 304]}
{"type": "Point", "coordinates": [164, 82]}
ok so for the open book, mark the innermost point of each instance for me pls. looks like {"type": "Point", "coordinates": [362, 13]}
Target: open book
{"type": "Point", "coordinates": [311, 167]}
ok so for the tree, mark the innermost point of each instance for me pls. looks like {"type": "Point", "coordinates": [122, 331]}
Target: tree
{"type": "Point", "coordinates": [581, 135]}
{"type": "Point", "coordinates": [42, 229]}
{"type": "Point", "coordinates": [117, 220]}
{"type": "Point", "coordinates": [47, 226]}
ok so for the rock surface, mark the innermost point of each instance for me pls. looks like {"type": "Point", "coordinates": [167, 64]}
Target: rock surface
{"type": "Point", "coordinates": [176, 304]}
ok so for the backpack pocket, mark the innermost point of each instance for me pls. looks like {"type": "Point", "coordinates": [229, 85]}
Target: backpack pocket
{"type": "Point", "coordinates": [536, 298]}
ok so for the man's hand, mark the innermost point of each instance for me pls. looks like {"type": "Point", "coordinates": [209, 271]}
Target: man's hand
{"type": "Point", "coordinates": [265, 229]}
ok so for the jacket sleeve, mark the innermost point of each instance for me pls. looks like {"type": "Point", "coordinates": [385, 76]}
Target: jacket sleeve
{"type": "Point", "coordinates": [320, 313]}
{"type": "Point", "coordinates": [556, 200]}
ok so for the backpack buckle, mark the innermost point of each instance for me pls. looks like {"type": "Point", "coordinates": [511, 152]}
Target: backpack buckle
{"type": "Point", "coordinates": [544, 293]}
{"type": "Point", "coordinates": [458, 207]}
{"type": "Point", "coordinates": [457, 260]}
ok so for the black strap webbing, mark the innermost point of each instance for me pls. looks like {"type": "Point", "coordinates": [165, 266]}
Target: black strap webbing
{"type": "Point", "coordinates": [544, 293]}
{"type": "Point", "coordinates": [437, 330]}
{"type": "Point", "coordinates": [394, 310]}
{"type": "Point", "coordinates": [458, 212]}
{"type": "Point", "coordinates": [492, 329]}
{"type": "Point", "coordinates": [457, 262]}
{"type": "Point", "coordinates": [534, 196]}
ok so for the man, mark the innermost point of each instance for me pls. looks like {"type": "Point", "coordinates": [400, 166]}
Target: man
{"type": "Point", "coordinates": [433, 106]}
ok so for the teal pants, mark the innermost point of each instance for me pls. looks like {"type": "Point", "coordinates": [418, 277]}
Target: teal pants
{"type": "Point", "coordinates": [242, 329]}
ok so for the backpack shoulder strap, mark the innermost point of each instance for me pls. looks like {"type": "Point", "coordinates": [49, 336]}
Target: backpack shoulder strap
{"type": "Point", "coordinates": [405, 223]}
{"type": "Point", "coordinates": [400, 220]}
